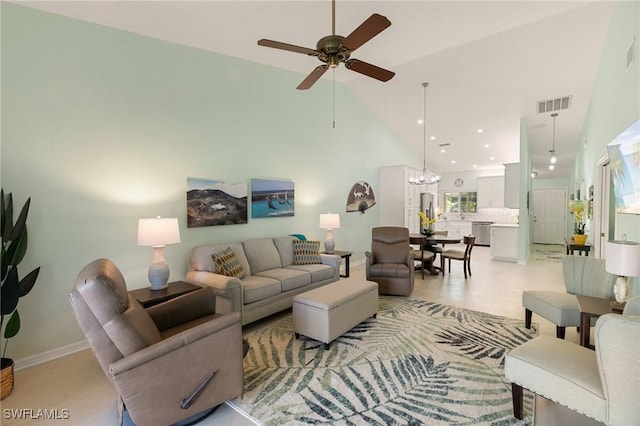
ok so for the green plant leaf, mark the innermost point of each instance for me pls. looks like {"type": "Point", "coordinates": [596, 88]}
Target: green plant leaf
{"type": "Point", "coordinates": [7, 217]}
{"type": "Point", "coordinates": [10, 292]}
{"type": "Point", "coordinates": [21, 223]}
{"type": "Point", "coordinates": [13, 325]}
{"type": "Point", "coordinates": [4, 259]}
{"type": "Point", "coordinates": [27, 283]}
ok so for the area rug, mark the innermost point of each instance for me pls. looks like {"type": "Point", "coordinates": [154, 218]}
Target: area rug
{"type": "Point", "coordinates": [547, 253]}
{"type": "Point", "coordinates": [417, 363]}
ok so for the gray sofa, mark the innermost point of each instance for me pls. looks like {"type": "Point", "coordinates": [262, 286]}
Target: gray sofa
{"type": "Point", "coordinates": [271, 281]}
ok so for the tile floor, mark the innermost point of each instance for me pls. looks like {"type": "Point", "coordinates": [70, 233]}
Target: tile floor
{"type": "Point", "coordinates": [76, 382]}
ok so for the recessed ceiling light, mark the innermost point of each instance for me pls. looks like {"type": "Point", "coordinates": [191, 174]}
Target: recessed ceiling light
{"type": "Point", "coordinates": [433, 138]}
{"type": "Point", "coordinates": [420, 121]}
{"type": "Point", "coordinates": [443, 150]}
{"type": "Point", "coordinates": [475, 165]}
{"type": "Point", "coordinates": [551, 167]}
{"type": "Point", "coordinates": [486, 145]}
{"type": "Point", "coordinates": [492, 158]}
{"type": "Point", "coordinates": [453, 161]}
{"type": "Point", "coordinates": [480, 130]}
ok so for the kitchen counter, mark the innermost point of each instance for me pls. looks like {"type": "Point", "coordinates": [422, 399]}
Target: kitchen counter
{"type": "Point", "coordinates": [505, 225]}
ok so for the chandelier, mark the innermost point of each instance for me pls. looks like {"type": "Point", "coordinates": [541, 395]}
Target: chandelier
{"type": "Point", "coordinates": [426, 177]}
{"type": "Point", "coordinates": [553, 159]}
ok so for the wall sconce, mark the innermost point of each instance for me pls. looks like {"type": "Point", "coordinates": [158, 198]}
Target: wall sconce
{"type": "Point", "coordinates": [157, 233]}
{"type": "Point", "coordinates": [329, 222]}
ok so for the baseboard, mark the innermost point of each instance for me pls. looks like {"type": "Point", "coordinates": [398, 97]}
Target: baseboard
{"type": "Point", "coordinates": [30, 361]}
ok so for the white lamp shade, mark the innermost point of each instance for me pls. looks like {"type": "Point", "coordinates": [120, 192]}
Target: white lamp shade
{"type": "Point", "coordinates": [623, 258]}
{"type": "Point", "coordinates": [158, 231]}
{"type": "Point", "coordinates": [330, 221]}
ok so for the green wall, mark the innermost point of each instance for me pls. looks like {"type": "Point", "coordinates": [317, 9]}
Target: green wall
{"type": "Point", "coordinates": [614, 106]}
{"type": "Point", "coordinates": [101, 127]}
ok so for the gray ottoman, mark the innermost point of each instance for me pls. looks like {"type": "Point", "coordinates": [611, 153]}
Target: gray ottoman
{"type": "Point", "coordinates": [326, 312]}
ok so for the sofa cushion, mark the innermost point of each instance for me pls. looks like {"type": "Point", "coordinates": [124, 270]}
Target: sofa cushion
{"type": "Point", "coordinates": [255, 288]}
{"type": "Point", "coordinates": [306, 252]}
{"type": "Point", "coordinates": [227, 263]}
{"type": "Point", "coordinates": [319, 272]}
{"type": "Point", "coordinates": [201, 257]}
{"type": "Point", "coordinates": [285, 248]}
{"type": "Point", "coordinates": [289, 278]}
{"type": "Point", "coordinates": [262, 254]}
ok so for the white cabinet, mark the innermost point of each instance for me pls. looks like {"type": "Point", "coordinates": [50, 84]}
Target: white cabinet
{"type": "Point", "coordinates": [512, 185]}
{"type": "Point", "coordinates": [440, 226]}
{"type": "Point", "coordinates": [458, 229]}
{"type": "Point", "coordinates": [398, 199]}
{"type": "Point", "coordinates": [504, 242]}
{"type": "Point", "coordinates": [491, 192]}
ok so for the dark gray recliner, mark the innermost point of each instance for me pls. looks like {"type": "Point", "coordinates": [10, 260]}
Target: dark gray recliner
{"type": "Point", "coordinates": [390, 262]}
{"type": "Point", "coordinates": [158, 358]}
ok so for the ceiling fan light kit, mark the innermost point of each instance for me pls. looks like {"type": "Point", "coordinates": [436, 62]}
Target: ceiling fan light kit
{"type": "Point", "coordinates": [426, 177]}
{"type": "Point", "coordinates": [335, 49]}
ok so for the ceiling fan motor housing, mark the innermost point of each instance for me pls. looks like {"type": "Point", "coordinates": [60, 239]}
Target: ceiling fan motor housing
{"type": "Point", "coordinates": [331, 50]}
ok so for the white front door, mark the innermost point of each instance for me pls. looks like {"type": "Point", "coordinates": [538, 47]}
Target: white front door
{"type": "Point", "coordinates": [549, 215]}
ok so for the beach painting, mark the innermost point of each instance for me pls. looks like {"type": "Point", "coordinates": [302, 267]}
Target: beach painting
{"type": "Point", "coordinates": [215, 202]}
{"type": "Point", "coordinates": [271, 198]}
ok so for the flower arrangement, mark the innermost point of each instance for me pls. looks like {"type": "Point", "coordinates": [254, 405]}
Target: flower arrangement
{"type": "Point", "coordinates": [426, 222]}
{"type": "Point", "coordinates": [577, 208]}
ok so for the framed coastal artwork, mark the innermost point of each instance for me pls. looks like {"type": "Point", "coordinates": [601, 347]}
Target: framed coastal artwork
{"type": "Point", "coordinates": [215, 202]}
{"type": "Point", "coordinates": [272, 198]}
{"type": "Point", "coordinates": [624, 158]}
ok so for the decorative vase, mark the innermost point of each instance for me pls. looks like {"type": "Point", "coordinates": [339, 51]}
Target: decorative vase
{"type": "Point", "coordinates": [580, 239]}
{"type": "Point", "coordinates": [6, 378]}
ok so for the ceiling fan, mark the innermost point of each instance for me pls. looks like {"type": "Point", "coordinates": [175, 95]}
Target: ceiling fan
{"type": "Point", "coordinates": [334, 49]}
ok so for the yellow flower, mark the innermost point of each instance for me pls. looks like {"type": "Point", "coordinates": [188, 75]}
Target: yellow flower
{"type": "Point", "coordinates": [424, 219]}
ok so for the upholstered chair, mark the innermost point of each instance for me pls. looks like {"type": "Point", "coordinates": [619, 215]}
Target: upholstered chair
{"type": "Point", "coordinates": [601, 384]}
{"type": "Point", "coordinates": [463, 255]}
{"type": "Point", "coordinates": [582, 275]}
{"type": "Point", "coordinates": [169, 362]}
{"type": "Point", "coordinates": [390, 262]}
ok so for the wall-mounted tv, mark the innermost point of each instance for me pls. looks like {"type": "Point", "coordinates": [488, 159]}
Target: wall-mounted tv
{"type": "Point", "coordinates": [624, 160]}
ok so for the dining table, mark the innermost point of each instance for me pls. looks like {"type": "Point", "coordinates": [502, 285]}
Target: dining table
{"type": "Point", "coordinates": [431, 240]}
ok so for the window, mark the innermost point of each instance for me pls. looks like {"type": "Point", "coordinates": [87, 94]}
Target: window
{"type": "Point", "coordinates": [460, 202]}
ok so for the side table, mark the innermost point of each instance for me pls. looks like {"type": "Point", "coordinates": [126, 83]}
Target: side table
{"type": "Point", "coordinates": [572, 246]}
{"type": "Point", "coordinates": [345, 255]}
{"type": "Point", "coordinates": [148, 297]}
{"type": "Point", "coordinates": [591, 307]}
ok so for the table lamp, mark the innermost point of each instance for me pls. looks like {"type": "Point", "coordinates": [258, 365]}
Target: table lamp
{"type": "Point", "coordinates": [329, 221]}
{"type": "Point", "coordinates": [622, 259]}
{"type": "Point", "coordinates": [157, 233]}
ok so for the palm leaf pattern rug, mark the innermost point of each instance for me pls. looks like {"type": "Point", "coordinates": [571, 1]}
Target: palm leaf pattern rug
{"type": "Point", "coordinates": [417, 363]}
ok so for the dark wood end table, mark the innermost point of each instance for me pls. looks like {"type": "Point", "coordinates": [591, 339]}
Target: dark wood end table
{"type": "Point", "coordinates": [148, 297]}
{"type": "Point", "coordinates": [345, 255]}
{"type": "Point", "coordinates": [591, 307]}
{"type": "Point", "coordinates": [572, 246]}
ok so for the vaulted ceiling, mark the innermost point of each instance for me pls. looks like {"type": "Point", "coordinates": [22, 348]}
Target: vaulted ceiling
{"type": "Point", "coordinates": [487, 63]}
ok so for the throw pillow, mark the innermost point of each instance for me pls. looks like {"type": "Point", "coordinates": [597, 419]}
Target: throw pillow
{"type": "Point", "coordinates": [228, 264]}
{"type": "Point", "coordinates": [306, 252]}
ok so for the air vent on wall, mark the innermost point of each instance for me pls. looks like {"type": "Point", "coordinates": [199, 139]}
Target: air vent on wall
{"type": "Point", "coordinates": [630, 52]}
{"type": "Point", "coordinates": [554, 104]}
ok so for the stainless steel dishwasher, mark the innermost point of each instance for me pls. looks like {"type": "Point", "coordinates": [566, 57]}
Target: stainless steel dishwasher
{"type": "Point", "coordinates": [482, 232]}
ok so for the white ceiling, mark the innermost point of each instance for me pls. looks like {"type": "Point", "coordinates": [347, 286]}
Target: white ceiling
{"type": "Point", "coordinates": [487, 63]}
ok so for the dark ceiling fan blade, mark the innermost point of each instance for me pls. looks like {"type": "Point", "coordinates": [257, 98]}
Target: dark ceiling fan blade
{"type": "Point", "coordinates": [370, 28]}
{"type": "Point", "coordinates": [369, 70]}
{"type": "Point", "coordinates": [285, 46]}
{"type": "Point", "coordinates": [313, 77]}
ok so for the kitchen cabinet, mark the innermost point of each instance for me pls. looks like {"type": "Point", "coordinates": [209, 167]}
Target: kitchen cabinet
{"type": "Point", "coordinates": [504, 242]}
{"type": "Point", "coordinates": [512, 185]}
{"type": "Point", "coordinates": [440, 226]}
{"type": "Point", "coordinates": [399, 200]}
{"type": "Point", "coordinates": [491, 192]}
{"type": "Point", "coordinates": [458, 229]}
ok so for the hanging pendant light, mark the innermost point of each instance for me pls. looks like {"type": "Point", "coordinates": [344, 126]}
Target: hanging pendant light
{"type": "Point", "coordinates": [426, 177]}
{"type": "Point", "coordinates": [553, 159]}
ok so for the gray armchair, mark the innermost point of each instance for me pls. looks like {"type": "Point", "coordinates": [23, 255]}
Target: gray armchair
{"type": "Point", "coordinates": [583, 275]}
{"type": "Point", "coordinates": [601, 384]}
{"type": "Point", "coordinates": [390, 262]}
{"type": "Point", "coordinates": [160, 359]}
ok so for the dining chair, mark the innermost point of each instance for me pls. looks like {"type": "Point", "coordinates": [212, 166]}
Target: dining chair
{"type": "Point", "coordinates": [464, 256]}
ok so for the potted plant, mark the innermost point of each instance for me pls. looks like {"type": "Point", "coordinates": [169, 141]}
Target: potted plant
{"type": "Point", "coordinates": [426, 222]}
{"type": "Point", "coordinates": [577, 208]}
{"type": "Point", "coordinates": [14, 247]}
